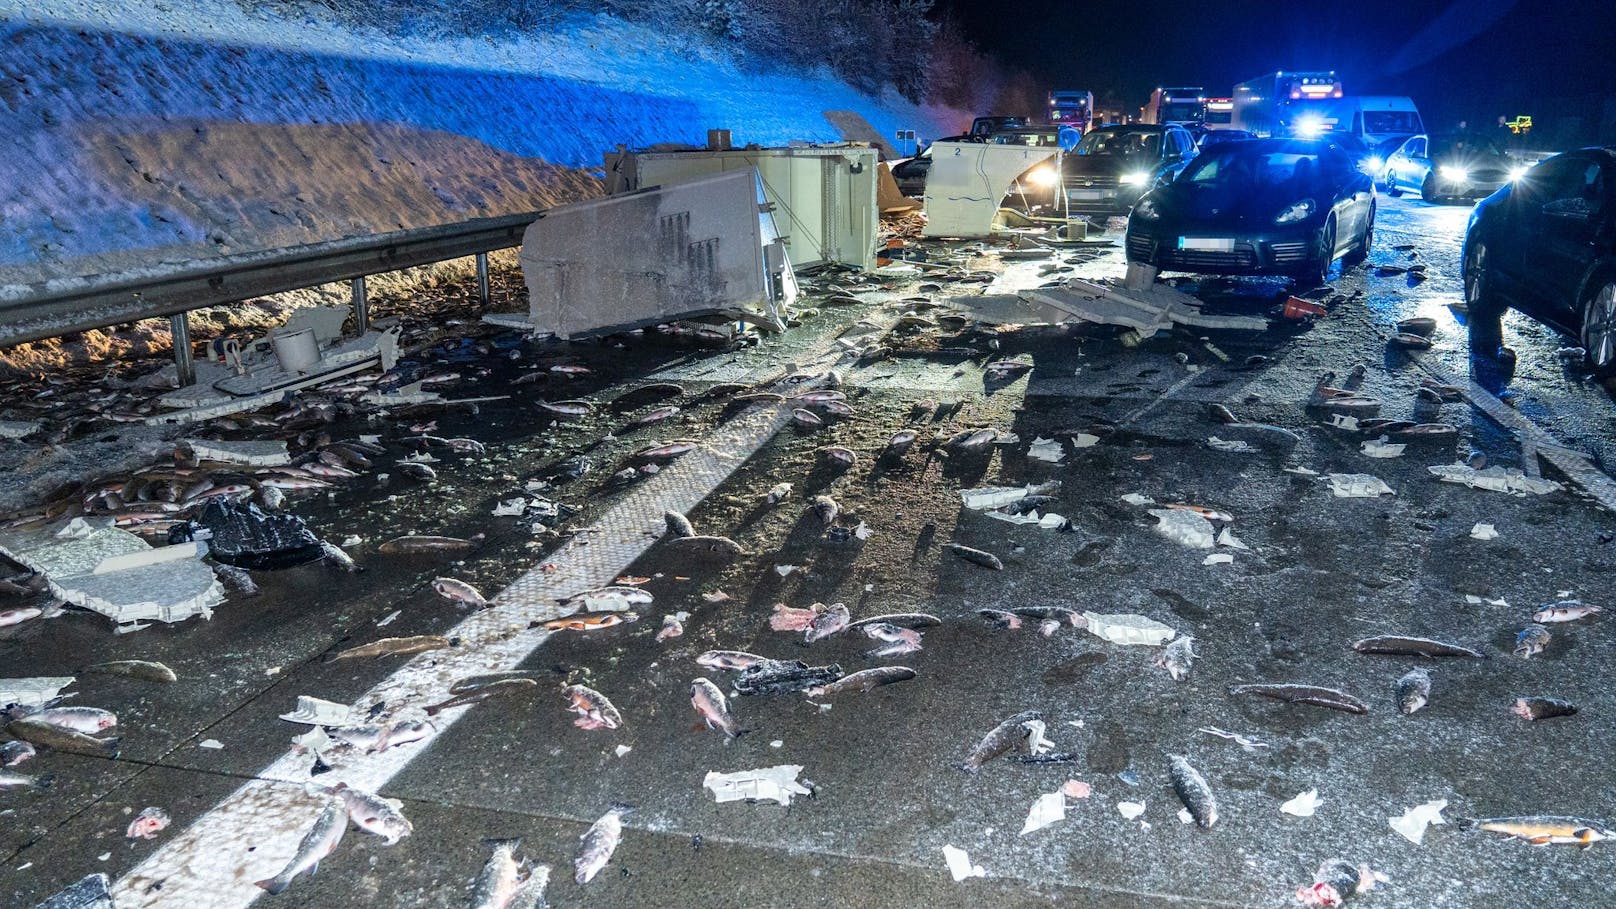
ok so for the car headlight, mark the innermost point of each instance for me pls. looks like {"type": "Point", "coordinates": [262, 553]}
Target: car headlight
{"type": "Point", "coordinates": [1518, 171]}
{"type": "Point", "coordinates": [1136, 179]}
{"type": "Point", "coordinates": [1373, 165]}
{"type": "Point", "coordinates": [1043, 176]}
{"type": "Point", "coordinates": [1456, 174]}
{"type": "Point", "coordinates": [1295, 212]}
{"type": "Point", "coordinates": [1146, 210]}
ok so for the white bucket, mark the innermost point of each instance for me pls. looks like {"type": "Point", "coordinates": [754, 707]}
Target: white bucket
{"type": "Point", "coordinates": [297, 350]}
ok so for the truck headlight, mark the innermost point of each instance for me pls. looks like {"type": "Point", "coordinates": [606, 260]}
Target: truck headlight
{"type": "Point", "coordinates": [1043, 176]}
{"type": "Point", "coordinates": [1455, 174]}
{"type": "Point", "coordinates": [1295, 212]}
{"type": "Point", "coordinates": [1136, 179]}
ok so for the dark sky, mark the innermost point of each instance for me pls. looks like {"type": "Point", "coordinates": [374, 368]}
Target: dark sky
{"type": "Point", "coordinates": [1455, 58]}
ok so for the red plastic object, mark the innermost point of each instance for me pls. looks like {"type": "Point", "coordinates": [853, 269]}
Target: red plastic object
{"type": "Point", "coordinates": [1298, 308]}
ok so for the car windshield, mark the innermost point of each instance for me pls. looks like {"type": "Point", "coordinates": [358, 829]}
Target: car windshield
{"type": "Point", "coordinates": [1255, 165]}
{"type": "Point", "coordinates": [1463, 145]}
{"type": "Point", "coordinates": [1127, 142]}
{"type": "Point", "coordinates": [1035, 138]}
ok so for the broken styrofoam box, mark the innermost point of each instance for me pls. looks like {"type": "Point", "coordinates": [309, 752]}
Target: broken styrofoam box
{"type": "Point", "coordinates": [33, 692]}
{"type": "Point", "coordinates": [253, 453]}
{"type": "Point", "coordinates": [111, 571]}
{"type": "Point", "coordinates": [1358, 486]}
{"type": "Point", "coordinates": [319, 712]}
{"type": "Point", "coordinates": [195, 549]}
{"type": "Point", "coordinates": [968, 180]}
{"type": "Point", "coordinates": [1185, 527]}
{"type": "Point", "coordinates": [776, 784]}
{"type": "Point", "coordinates": [1497, 479]}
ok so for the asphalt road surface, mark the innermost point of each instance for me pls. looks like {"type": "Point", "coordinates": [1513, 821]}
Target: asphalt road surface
{"type": "Point", "coordinates": [1317, 573]}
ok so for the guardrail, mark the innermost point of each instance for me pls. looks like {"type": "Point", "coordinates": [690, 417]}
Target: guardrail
{"type": "Point", "coordinates": [64, 307]}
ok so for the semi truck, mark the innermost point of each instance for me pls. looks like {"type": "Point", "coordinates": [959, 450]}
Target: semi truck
{"type": "Point", "coordinates": [1071, 107]}
{"type": "Point", "coordinates": [1286, 103]}
{"type": "Point", "coordinates": [1184, 106]}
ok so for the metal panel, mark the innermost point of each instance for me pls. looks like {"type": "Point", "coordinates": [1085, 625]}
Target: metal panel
{"type": "Point", "coordinates": [966, 182]}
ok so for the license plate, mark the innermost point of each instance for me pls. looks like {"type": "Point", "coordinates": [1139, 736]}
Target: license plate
{"type": "Point", "coordinates": [1211, 244]}
{"type": "Point", "coordinates": [1090, 194]}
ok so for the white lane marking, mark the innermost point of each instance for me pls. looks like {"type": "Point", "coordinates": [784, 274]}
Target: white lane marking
{"type": "Point", "coordinates": [208, 863]}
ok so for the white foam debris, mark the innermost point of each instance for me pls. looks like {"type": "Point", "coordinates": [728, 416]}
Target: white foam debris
{"type": "Point", "coordinates": [1342, 421]}
{"type": "Point", "coordinates": [317, 712]}
{"type": "Point", "coordinates": [1218, 558]}
{"type": "Point", "coordinates": [1085, 440]}
{"type": "Point", "coordinates": [1184, 816]}
{"type": "Point", "coordinates": [210, 744]}
{"type": "Point", "coordinates": [510, 508]}
{"type": "Point", "coordinates": [1381, 448]}
{"type": "Point", "coordinates": [1134, 498]}
{"type": "Point", "coordinates": [1497, 479]}
{"type": "Point", "coordinates": [33, 692]}
{"type": "Point", "coordinates": [1483, 532]}
{"type": "Point", "coordinates": [1412, 823]}
{"type": "Point", "coordinates": [1303, 805]}
{"type": "Point", "coordinates": [1234, 446]}
{"type": "Point", "coordinates": [1358, 486]}
{"type": "Point", "coordinates": [1046, 450]}
{"type": "Point", "coordinates": [1047, 809]}
{"type": "Point", "coordinates": [1130, 810]}
{"type": "Point", "coordinates": [1185, 527]}
{"type": "Point", "coordinates": [774, 784]}
{"type": "Point", "coordinates": [252, 453]}
{"type": "Point", "coordinates": [1227, 538]}
{"type": "Point", "coordinates": [959, 864]}
{"type": "Point", "coordinates": [623, 749]}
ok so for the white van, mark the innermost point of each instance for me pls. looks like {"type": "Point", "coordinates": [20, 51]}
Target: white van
{"type": "Point", "coordinates": [1374, 118]}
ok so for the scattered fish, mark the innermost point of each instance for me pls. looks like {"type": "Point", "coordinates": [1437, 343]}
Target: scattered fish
{"type": "Point", "coordinates": [588, 621]}
{"type": "Point", "coordinates": [1000, 618]}
{"type": "Point", "coordinates": [838, 457]}
{"type": "Point", "coordinates": [1059, 614]}
{"type": "Point", "coordinates": [55, 737]}
{"type": "Point", "coordinates": [666, 451]}
{"type": "Point", "coordinates": [88, 720]}
{"type": "Point", "coordinates": [865, 681]}
{"type": "Point", "coordinates": [786, 618]}
{"type": "Point", "coordinates": [806, 419]}
{"type": "Point", "coordinates": [598, 843]}
{"type": "Point", "coordinates": [901, 441]}
{"type": "Point", "coordinates": [615, 598]}
{"type": "Point", "coordinates": [595, 710]}
{"type": "Point", "coordinates": [237, 579]}
{"type": "Point", "coordinates": [460, 592]}
{"type": "Point", "coordinates": [900, 619]}
{"type": "Point", "coordinates": [1399, 645]}
{"type": "Point", "coordinates": [337, 557]}
{"type": "Point", "coordinates": [501, 878]}
{"type": "Point", "coordinates": [1413, 691]}
{"type": "Point", "coordinates": [713, 708]}
{"type": "Point", "coordinates": [483, 693]}
{"type": "Point", "coordinates": [1544, 829]}
{"type": "Point", "coordinates": [10, 779]}
{"type": "Point", "coordinates": [708, 544]}
{"type": "Point", "coordinates": [678, 524]}
{"type": "Point", "coordinates": [373, 814]}
{"type": "Point", "coordinates": [672, 627]}
{"type": "Point", "coordinates": [568, 410]}
{"type": "Point", "coordinates": [1003, 737]}
{"type": "Point", "coordinates": [19, 615]}
{"type": "Point", "coordinates": [977, 556]}
{"type": "Point", "coordinates": [15, 752]}
{"type": "Point", "coordinates": [1194, 792]}
{"type": "Point", "coordinates": [825, 509]}
{"type": "Point", "coordinates": [1311, 695]}
{"type": "Point", "coordinates": [1565, 611]}
{"type": "Point", "coordinates": [828, 621]}
{"type": "Point", "coordinates": [1541, 708]}
{"type": "Point", "coordinates": [476, 682]}
{"type": "Point", "coordinates": [1178, 657]}
{"type": "Point", "coordinates": [372, 738]}
{"type": "Point", "coordinates": [412, 544]}
{"type": "Point", "coordinates": [421, 643]}
{"type": "Point", "coordinates": [144, 670]}
{"type": "Point", "coordinates": [729, 659]}
{"type": "Point", "coordinates": [1531, 641]}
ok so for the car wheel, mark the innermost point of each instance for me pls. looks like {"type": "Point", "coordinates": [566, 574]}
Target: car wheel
{"type": "Point", "coordinates": [1428, 190]}
{"type": "Point", "coordinates": [1360, 250]}
{"type": "Point", "coordinates": [1599, 327]}
{"type": "Point", "coordinates": [1484, 317]}
{"type": "Point", "coordinates": [1317, 271]}
{"type": "Point", "coordinates": [1392, 189]}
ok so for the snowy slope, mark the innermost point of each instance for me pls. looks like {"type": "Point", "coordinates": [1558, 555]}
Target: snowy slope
{"type": "Point", "coordinates": [144, 132]}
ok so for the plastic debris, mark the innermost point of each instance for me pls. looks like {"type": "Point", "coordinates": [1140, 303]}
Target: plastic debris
{"type": "Point", "coordinates": [1358, 486]}
{"type": "Point", "coordinates": [1342, 421]}
{"type": "Point", "coordinates": [1412, 823]}
{"type": "Point", "coordinates": [251, 453]}
{"type": "Point", "coordinates": [1127, 628]}
{"type": "Point", "coordinates": [210, 744]}
{"type": "Point", "coordinates": [33, 692]}
{"type": "Point", "coordinates": [621, 750]}
{"type": "Point", "coordinates": [1134, 498]}
{"type": "Point", "coordinates": [1301, 471]}
{"type": "Point", "coordinates": [1235, 446]}
{"type": "Point", "coordinates": [1185, 527]}
{"type": "Point", "coordinates": [1497, 479]}
{"type": "Point", "coordinates": [1218, 558]}
{"type": "Point", "coordinates": [776, 784]}
{"type": "Point", "coordinates": [1483, 532]}
{"type": "Point", "coordinates": [1227, 538]}
{"type": "Point", "coordinates": [1249, 744]}
{"type": "Point", "coordinates": [1085, 440]}
{"type": "Point", "coordinates": [990, 497]}
{"type": "Point", "coordinates": [318, 712]}
{"type": "Point", "coordinates": [1303, 805]}
{"type": "Point", "coordinates": [784, 570]}
{"type": "Point", "coordinates": [959, 864]}
{"type": "Point", "coordinates": [388, 619]}
{"type": "Point", "coordinates": [1037, 743]}
{"type": "Point", "coordinates": [1130, 810]}
{"type": "Point", "coordinates": [1184, 816]}
{"type": "Point", "coordinates": [511, 508]}
{"type": "Point", "coordinates": [1046, 450]}
{"type": "Point", "coordinates": [240, 534]}
{"type": "Point", "coordinates": [1047, 809]}
{"type": "Point", "coordinates": [1380, 448]}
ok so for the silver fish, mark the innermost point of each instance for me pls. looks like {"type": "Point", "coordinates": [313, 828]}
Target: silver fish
{"type": "Point", "coordinates": [460, 592]}
{"type": "Point", "coordinates": [1193, 791]}
{"type": "Point", "coordinates": [144, 670]}
{"type": "Point", "coordinates": [830, 620]}
{"type": "Point", "coordinates": [838, 456]}
{"type": "Point", "coordinates": [15, 752]}
{"type": "Point", "coordinates": [1413, 691]}
{"type": "Point", "coordinates": [502, 877]}
{"type": "Point", "coordinates": [88, 720]}
{"type": "Point", "coordinates": [825, 509]}
{"type": "Point", "coordinates": [977, 556]}
{"type": "Point", "coordinates": [10, 779]}
{"type": "Point", "coordinates": [729, 659]}
{"type": "Point", "coordinates": [1002, 738]}
{"type": "Point", "coordinates": [1565, 611]}
{"type": "Point", "coordinates": [595, 710]}
{"type": "Point", "coordinates": [898, 640]}
{"type": "Point", "coordinates": [713, 707]}
{"type": "Point", "coordinates": [337, 557]}
{"type": "Point", "coordinates": [373, 814]}
{"type": "Point", "coordinates": [866, 680]}
{"type": "Point", "coordinates": [598, 843]}
{"type": "Point", "coordinates": [1531, 641]}
{"type": "Point", "coordinates": [319, 842]}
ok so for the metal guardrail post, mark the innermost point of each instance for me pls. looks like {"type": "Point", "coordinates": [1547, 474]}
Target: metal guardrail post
{"type": "Point", "coordinates": [361, 306]}
{"type": "Point", "coordinates": [482, 279]}
{"type": "Point", "coordinates": [184, 365]}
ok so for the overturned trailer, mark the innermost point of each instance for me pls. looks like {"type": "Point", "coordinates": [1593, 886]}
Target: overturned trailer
{"type": "Point", "coordinates": [967, 181]}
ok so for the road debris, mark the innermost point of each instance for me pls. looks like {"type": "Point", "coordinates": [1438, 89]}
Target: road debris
{"type": "Point", "coordinates": [1249, 744]}
{"type": "Point", "coordinates": [1131, 810]}
{"type": "Point", "coordinates": [1358, 486]}
{"type": "Point", "coordinates": [959, 864]}
{"type": "Point", "coordinates": [1303, 804]}
{"type": "Point", "coordinates": [1178, 658]}
{"type": "Point", "coordinates": [1128, 629]}
{"type": "Point", "coordinates": [1047, 809]}
{"type": "Point", "coordinates": [1185, 528]}
{"type": "Point", "coordinates": [596, 845]}
{"type": "Point", "coordinates": [1411, 824]}
{"type": "Point", "coordinates": [767, 784]}
{"type": "Point", "coordinates": [1497, 479]}
{"type": "Point", "coordinates": [1483, 532]}
{"type": "Point", "coordinates": [1542, 708]}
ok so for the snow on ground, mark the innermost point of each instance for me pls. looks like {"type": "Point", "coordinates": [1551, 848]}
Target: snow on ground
{"type": "Point", "coordinates": [146, 132]}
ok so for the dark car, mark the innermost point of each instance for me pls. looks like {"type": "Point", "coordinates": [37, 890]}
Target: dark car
{"type": "Point", "coordinates": [1211, 137]}
{"type": "Point", "coordinates": [1454, 166]}
{"type": "Point", "coordinates": [1546, 244]}
{"type": "Point", "coordinates": [1114, 165]}
{"type": "Point", "coordinates": [1260, 207]}
{"type": "Point", "coordinates": [911, 174]}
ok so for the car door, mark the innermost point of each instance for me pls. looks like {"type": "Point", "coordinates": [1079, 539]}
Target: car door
{"type": "Point", "coordinates": [1398, 163]}
{"type": "Point", "coordinates": [1418, 163]}
{"type": "Point", "coordinates": [1561, 243]}
{"type": "Point", "coordinates": [1349, 195]}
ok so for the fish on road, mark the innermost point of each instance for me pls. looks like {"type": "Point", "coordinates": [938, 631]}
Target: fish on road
{"type": "Point", "coordinates": [1002, 738]}
{"type": "Point", "coordinates": [460, 592]}
{"type": "Point", "coordinates": [595, 710]}
{"type": "Point", "coordinates": [373, 814]}
{"type": "Point", "coordinates": [832, 619]}
{"type": "Point", "coordinates": [713, 708]}
{"type": "Point", "coordinates": [866, 681]}
{"type": "Point", "coordinates": [144, 670]}
{"type": "Point", "coordinates": [1399, 645]}
{"type": "Point", "coordinates": [596, 845]}
{"type": "Point", "coordinates": [420, 643]}
{"type": "Point", "coordinates": [1312, 695]}
{"type": "Point", "coordinates": [319, 842]}
{"type": "Point", "coordinates": [1193, 791]}
{"type": "Point", "coordinates": [1544, 829]}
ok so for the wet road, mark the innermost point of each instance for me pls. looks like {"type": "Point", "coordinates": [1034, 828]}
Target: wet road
{"type": "Point", "coordinates": [1320, 572]}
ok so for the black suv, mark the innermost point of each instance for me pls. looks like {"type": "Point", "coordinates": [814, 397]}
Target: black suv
{"type": "Point", "coordinates": [1114, 165]}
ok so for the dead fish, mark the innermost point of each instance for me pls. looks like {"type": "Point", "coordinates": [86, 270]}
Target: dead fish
{"type": "Point", "coordinates": [272, 497]}
{"type": "Point", "coordinates": [866, 681]}
{"type": "Point", "coordinates": [460, 592]}
{"type": "Point", "coordinates": [421, 643]}
{"type": "Point", "coordinates": [88, 720]}
{"type": "Point", "coordinates": [786, 618]}
{"type": "Point", "coordinates": [417, 471]}
{"type": "Point", "coordinates": [1003, 370]}
{"type": "Point", "coordinates": [1193, 791]}
{"type": "Point", "coordinates": [483, 680]}
{"type": "Point", "coordinates": [1419, 325]}
{"type": "Point", "coordinates": [1543, 829]}
{"type": "Point", "coordinates": [483, 693]}
{"type": "Point", "coordinates": [713, 708]}
{"type": "Point", "coordinates": [1003, 737]}
{"type": "Point", "coordinates": [901, 619]}
{"type": "Point", "coordinates": [1178, 657]}
{"type": "Point", "coordinates": [1399, 645]}
{"type": "Point", "coordinates": [806, 419]}
{"type": "Point", "coordinates": [838, 457]}
{"type": "Point", "coordinates": [597, 844]}
{"type": "Point", "coordinates": [708, 544]}
{"type": "Point", "coordinates": [567, 409]}
{"type": "Point", "coordinates": [1531, 641]}
{"type": "Point", "coordinates": [1565, 611]}
{"type": "Point", "coordinates": [898, 640]}
{"type": "Point", "coordinates": [595, 710]}
{"type": "Point", "coordinates": [825, 509]}
{"type": "Point", "coordinates": [13, 780]}
{"type": "Point", "coordinates": [671, 628]}
{"type": "Point", "coordinates": [730, 660]}
{"type": "Point", "coordinates": [294, 484]}
{"type": "Point", "coordinates": [337, 557]}
{"type": "Point", "coordinates": [15, 752]}
{"type": "Point", "coordinates": [1053, 613]}
{"type": "Point", "coordinates": [372, 738]}
{"type": "Point", "coordinates": [777, 493]}
{"type": "Point", "coordinates": [55, 737]}
{"type": "Point", "coordinates": [411, 544]}
{"type": "Point", "coordinates": [616, 598]}
{"type": "Point", "coordinates": [1539, 708]}
{"type": "Point", "coordinates": [373, 814]}
{"type": "Point", "coordinates": [1413, 691]}
{"type": "Point", "coordinates": [665, 451]}
{"type": "Point", "coordinates": [571, 370]}
{"type": "Point", "coordinates": [501, 878]}
{"type": "Point", "coordinates": [1409, 341]}
{"type": "Point", "coordinates": [1000, 618]}
{"type": "Point", "coordinates": [971, 440]}
{"type": "Point", "coordinates": [20, 615]}
{"type": "Point", "coordinates": [144, 670]}
{"type": "Point", "coordinates": [678, 524]}
{"type": "Point", "coordinates": [1311, 695]}
{"type": "Point", "coordinates": [819, 397]}
{"type": "Point", "coordinates": [977, 556]}
{"type": "Point", "coordinates": [828, 621]}
{"type": "Point", "coordinates": [588, 621]}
